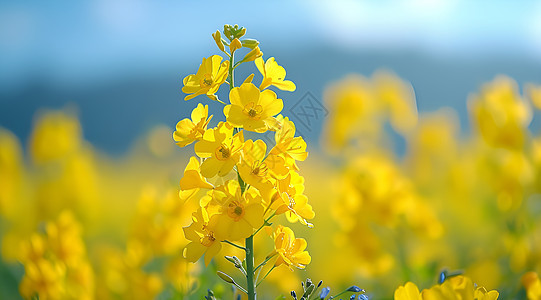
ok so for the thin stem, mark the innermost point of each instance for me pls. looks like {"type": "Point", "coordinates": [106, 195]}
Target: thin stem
{"type": "Point", "coordinates": [250, 268]}
{"type": "Point", "coordinates": [233, 244]}
{"type": "Point", "coordinates": [265, 261]}
{"type": "Point", "coordinates": [231, 76]}
{"type": "Point", "coordinates": [264, 223]}
{"type": "Point", "coordinates": [265, 276]}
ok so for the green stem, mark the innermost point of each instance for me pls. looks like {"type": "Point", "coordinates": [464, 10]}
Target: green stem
{"type": "Point", "coordinates": [265, 276]}
{"type": "Point", "coordinates": [250, 268]}
{"type": "Point", "coordinates": [231, 76]}
{"type": "Point", "coordinates": [266, 223]}
{"type": "Point", "coordinates": [233, 244]}
{"type": "Point", "coordinates": [265, 261]}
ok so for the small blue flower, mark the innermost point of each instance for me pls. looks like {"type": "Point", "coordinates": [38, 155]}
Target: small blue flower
{"type": "Point", "coordinates": [352, 297]}
{"type": "Point", "coordinates": [324, 292]}
{"type": "Point", "coordinates": [363, 297]}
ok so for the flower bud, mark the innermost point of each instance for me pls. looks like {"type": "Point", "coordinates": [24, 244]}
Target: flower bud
{"type": "Point", "coordinates": [227, 31]}
{"type": "Point", "coordinates": [226, 277]}
{"type": "Point", "coordinates": [218, 39]}
{"type": "Point", "coordinates": [250, 43]}
{"type": "Point", "coordinates": [235, 44]}
{"type": "Point", "coordinates": [252, 55]}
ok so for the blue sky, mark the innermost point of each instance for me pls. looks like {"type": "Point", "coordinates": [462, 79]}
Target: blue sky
{"type": "Point", "coordinates": [76, 41]}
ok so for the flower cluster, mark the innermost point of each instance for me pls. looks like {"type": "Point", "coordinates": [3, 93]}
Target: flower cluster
{"type": "Point", "coordinates": [55, 263]}
{"type": "Point", "coordinates": [241, 184]}
{"type": "Point", "coordinates": [458, 287]}
{"type": "Point", "coordinates": [415, 208]}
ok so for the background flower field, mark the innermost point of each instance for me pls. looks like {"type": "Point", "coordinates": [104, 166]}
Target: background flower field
{"type": "Point", "coordinates": [424, 147]}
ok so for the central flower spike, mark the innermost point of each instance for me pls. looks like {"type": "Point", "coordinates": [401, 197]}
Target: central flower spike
{"type": "Point", "coordinates": [221, 149]}
{"type": "Point", "coordinates": [252, 109]}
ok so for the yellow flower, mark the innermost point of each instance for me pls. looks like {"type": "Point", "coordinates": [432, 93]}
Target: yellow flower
{"type": "Point", "coordinates": [273, 74]}
{"type": "Point", "coordinates": [288, 146]}
{"type": "Point", "coordinates": [290, 249]}
{"type": "Point", "coordinates": [192, 177]}
{"type": "Point", "coordinates": [43, 278]}
{"type": "Point", "coordinates": [202, 240]}
{"type": "Point", "coordinates": [251, 109]}
{"type": "Point", "coordinates": [253, 54]}
{"type": "Point", "coordinates": [532, 284]}
{"type": "Point", "coordinates": [459, 287]}
{"type": "Point", "coordinates": [407, 292]}
{"type": "Point", "coordinates": [290, 200]}
{"type": "Point", "coordinates": [398, 99]}
{"type": "Point", "coordinates": [534, 94]}
{"type": "Point", "coordinates": [55, 135]}
{"type": "Point", "coordinates": [256, 169]}
{"type": "Point", "coordinates": [221, 149]}
{"type": "Point", "coordinates": [64, 238]}
{"type": "Point", "coordinates": [234, 216]}
{"type": "Point", "coordinates": [500, 114]}
{"type": "Point", "coordinates": [482, 294]}
{"type": "Point", "coordinates": [218, 39]}
{"type": "Point", "coordinates": [11, 170]}
{"type": "Point", "coordinates": [207, 80]}
{"type": "Point", "coordinates": [187, 131]}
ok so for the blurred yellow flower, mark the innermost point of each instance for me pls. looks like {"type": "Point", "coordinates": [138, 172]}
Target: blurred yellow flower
{"type": "Point", "coordinates": [409, 291]}
{"type": "Point", "coordinates": [273, 74]}
{"type": "Point", "coordinates": [532, 284]}
{"type": "Point", "coordinates": [207, 80]}
{"type": "Point", "coordinates": [251, 109]}
{"type": "Point", "coordinates": [187, 131]}
{"type": "Point", "coordinates": [11, 171]}
{"type": "Point", "coordinates": [534, 94]}
{"type": "Point", "coordinates": [398, 99]}
{"type": "Point", "coordinates": [500, 114]}
{"type": "Point", "coordinates": [291, 250]}
{"type": "Point", "coordinates": [55, 135]}
{"type": "Point", "coordinates": [221, 148]}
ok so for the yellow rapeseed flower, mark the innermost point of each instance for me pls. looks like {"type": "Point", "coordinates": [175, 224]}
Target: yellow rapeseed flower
{"type": "Point", "coordinates": [221, 149]}
{"type": "Point", "coordinates": [207, 80]}
{"type": "Point", "coordinates": [409, 291]}
{"type": "Point", "coordinates": [500, 114]}
{"type": "Point", "coordinates": [288, 146]}
{"type": "Point", "coordinates": [532, 284]}
{"type": "Point", "coordinates": [192, 177]}
{"type": "Point", "coordinates": [232, 215]}
{"type": "Point", "coordinates": [290, 200]}
{"type": "Point", "coordinates": [55, 135]}
{"type": "Point", "coordinates": [273, 74]}
{"type": "Point", "coordinates": [251, 109]}
{"type": "Point", "coordinates": [256, 169]}
{"type": "Point", "coordinates": [202, 240]}
{"type": "Point", "coordinates": [291, 250]}
{"type": "Point", "coordinates": [187, 131]}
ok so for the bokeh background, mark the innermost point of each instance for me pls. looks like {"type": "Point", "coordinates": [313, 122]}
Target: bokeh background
{"type": "Point", "coordinates": [114, 68]}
